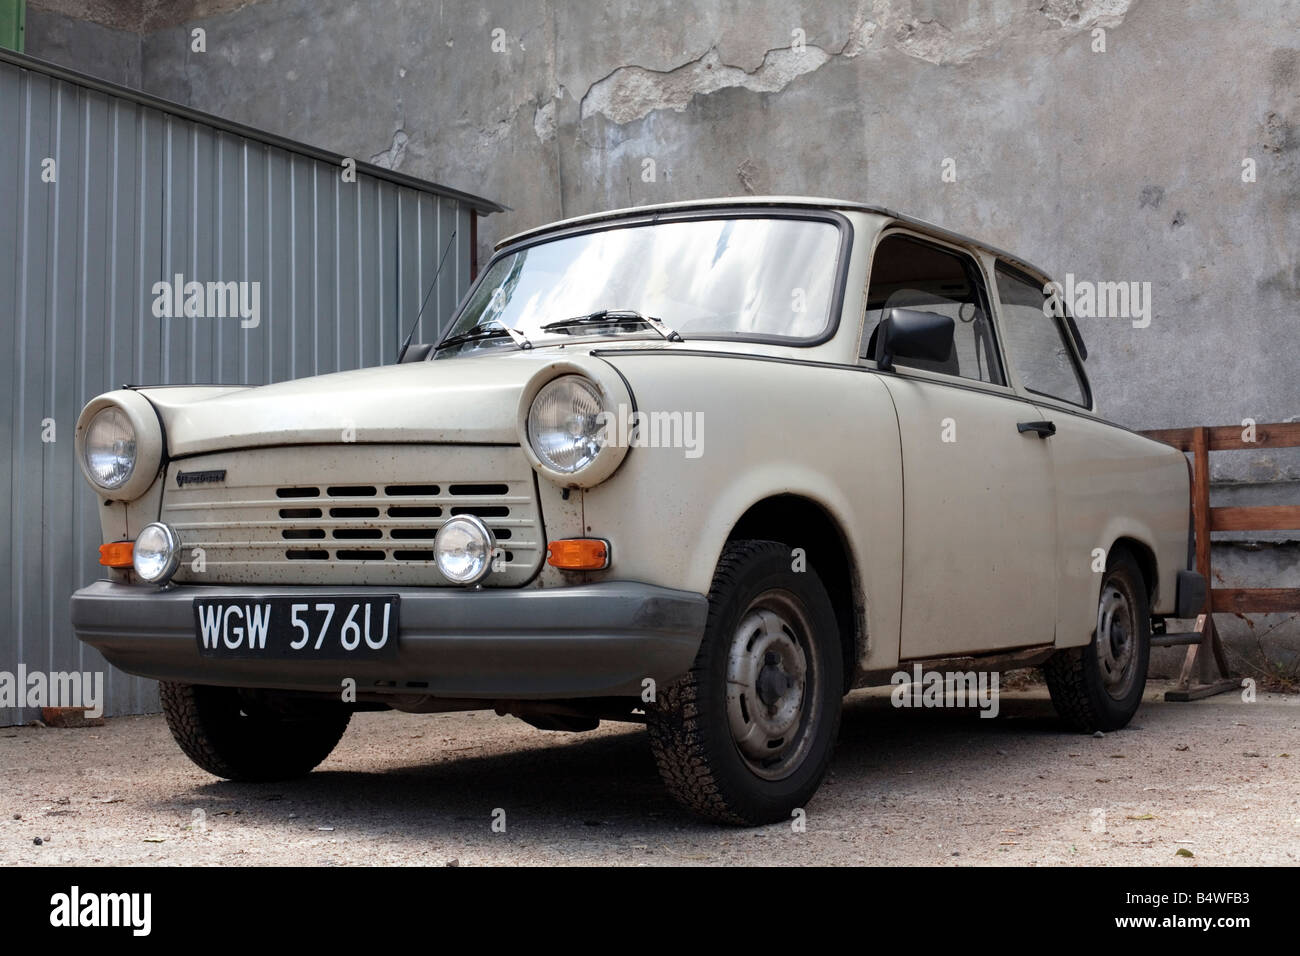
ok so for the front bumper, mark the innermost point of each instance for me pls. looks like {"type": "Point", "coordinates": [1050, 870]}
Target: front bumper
{"type": "Point", "coordinates": [591, 640]}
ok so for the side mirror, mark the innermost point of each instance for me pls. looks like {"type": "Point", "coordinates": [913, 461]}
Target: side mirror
{"type": "Point", "coordinates": [910, 333]}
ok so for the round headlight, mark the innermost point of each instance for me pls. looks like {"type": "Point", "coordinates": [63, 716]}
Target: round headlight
{"type": "Point", "coordinates": [157, 553]}
{"type": "Point", "coordinates": [564, 428]}
{"type": "Point", "coordinates": [463, 549]}
{"type": "Point", "coordinates": [109, 450]}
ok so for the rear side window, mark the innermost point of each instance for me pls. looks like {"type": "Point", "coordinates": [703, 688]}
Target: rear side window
{"type": "Point", "coordinates": [1035, 340]}
{"type": "Point", "coordinates": [907, 273]}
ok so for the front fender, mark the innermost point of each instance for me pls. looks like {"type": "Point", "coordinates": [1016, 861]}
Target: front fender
{"type": "Point", "coordinates": [766, 428]}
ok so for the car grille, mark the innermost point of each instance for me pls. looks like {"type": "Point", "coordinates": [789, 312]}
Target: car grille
{"type": "Point", "coordinates": [347, 514]}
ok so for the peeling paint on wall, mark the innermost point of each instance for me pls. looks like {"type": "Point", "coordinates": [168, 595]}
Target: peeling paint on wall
{"type": "Point", "coordinates": [392, 157]}
{"type": "Point", "coordinates": [633, 92]}
{"type": "Point", "coordinates": [1084, 14]}
{"type": "Point", "coordinates": [544, 121]}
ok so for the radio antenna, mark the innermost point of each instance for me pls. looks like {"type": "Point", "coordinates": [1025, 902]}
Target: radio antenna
{"type": "Point", "coordinates": [406, 342]}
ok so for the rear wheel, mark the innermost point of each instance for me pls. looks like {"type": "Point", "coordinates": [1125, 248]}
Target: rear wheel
{"type": "Point", "coordinates": [746, 735]}
{"type": "Point", "coordinates": [251, 736]}
{"type": "Point", "coordinates": [1099, 687]}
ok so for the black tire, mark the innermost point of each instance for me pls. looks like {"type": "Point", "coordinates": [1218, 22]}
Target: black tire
{"type": "Point", "coordinates": [690, 723]}
{"type": "Point", "coordinates": [250, 737]}
{"type": "Point", "coordinates": [1082, 682]}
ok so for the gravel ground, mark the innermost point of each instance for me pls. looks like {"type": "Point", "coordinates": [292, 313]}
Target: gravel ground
{"type": "Point", "coordinates": [1218, 778]}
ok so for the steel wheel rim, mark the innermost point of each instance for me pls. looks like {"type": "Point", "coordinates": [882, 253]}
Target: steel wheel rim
{"type": "Point", "coordinates": [772, 676]}
{"type": "Point", "coordinates": [1117, 636]}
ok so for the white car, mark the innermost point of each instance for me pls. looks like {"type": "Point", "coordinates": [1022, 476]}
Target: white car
{"type": "Point", "coordinates": [708, 465]}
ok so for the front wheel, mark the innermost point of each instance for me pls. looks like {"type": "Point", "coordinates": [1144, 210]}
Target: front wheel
{"type": "Point", "coordinates": [1099, 687]}
{"type": "Point", "coordinates": [746, 734]}
{"type": "Point", "coordinates": [244, 735]}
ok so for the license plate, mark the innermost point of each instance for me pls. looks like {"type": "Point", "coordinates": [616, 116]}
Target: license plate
{"type": "Point", "coordinates": [329, 628]}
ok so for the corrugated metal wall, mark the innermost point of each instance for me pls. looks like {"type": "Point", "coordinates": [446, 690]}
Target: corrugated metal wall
{"type": "Point", "coordinates": [142, 191]}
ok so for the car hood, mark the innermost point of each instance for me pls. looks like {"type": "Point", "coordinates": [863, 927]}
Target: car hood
{"type": "Point", "coordinates": [470, 400]}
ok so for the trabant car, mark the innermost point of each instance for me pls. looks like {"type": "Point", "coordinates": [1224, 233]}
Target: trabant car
{"type": "Point", "coordinates": [708, 466]}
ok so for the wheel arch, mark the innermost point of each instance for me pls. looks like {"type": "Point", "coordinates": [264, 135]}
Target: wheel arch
{"type": "Point", "coordinates": [1145, 557]}
{"type": "Point", "coordinates": [801, 522]}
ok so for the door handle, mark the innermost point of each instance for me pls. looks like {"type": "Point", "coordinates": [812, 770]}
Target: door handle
{"type": "Point", "coordinates": [1044, 429]}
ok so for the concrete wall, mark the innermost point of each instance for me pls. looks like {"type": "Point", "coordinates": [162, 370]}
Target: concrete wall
{"type": "Point", "coordinates": [1125, 164]}
{"type": "Point", "coordinates": [104, 52]}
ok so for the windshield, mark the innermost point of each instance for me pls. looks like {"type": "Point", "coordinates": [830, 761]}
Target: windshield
{"type": "Point", "coordinates": [703, 278]}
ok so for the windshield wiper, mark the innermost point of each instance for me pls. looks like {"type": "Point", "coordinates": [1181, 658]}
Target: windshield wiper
{"type": "Point", "coordinates": [616, 317]}
{"type": "Point", "coordinates": [489, 330]}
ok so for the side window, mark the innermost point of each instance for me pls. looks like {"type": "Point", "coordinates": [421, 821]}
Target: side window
{"type": "Point", "coordinates": [908, 273]}
{"type": "Point", "coordinates": [1035, 341]}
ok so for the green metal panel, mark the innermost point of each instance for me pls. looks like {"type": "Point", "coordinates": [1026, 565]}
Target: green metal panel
{"type": "Point", "coordinates": [13, 22]}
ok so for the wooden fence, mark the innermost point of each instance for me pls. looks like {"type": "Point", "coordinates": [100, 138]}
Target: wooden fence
{"type": "Point", "coordinates": [1204, 650]}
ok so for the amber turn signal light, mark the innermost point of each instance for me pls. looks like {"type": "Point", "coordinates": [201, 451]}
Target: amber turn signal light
{"type": "Point", "coordinates": [578, 554]}
{"type": "Point", "coordinates": [116, 554]}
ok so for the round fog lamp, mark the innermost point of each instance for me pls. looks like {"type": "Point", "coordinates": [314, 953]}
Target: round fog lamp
{"type": "Point", "coordinates": [157, 553]}
{"type": "Point", "coordinates": [463, 549]}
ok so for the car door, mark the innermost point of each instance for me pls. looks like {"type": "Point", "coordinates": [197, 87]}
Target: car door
{"type": "Point", "coordinates": [979, 516]}
{"type": "Point", "coordinates": [1110, 483]}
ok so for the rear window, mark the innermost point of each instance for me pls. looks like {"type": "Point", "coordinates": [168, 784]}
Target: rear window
{"type": "Point", "coordinates": [1035, 340]}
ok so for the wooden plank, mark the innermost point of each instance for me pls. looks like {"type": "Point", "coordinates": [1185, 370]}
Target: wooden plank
{"type": "Point", "coordinates": [1201, 502]}
{"type": "Point", "coordinates": [1180, 438]}
{"type": "Point", "coordinates": [1256, 518]}
{"type": "Point", "coordinates": [1228, 437]}
{"type": "Point", "coordinates": [1191, 659]}
{"type": "Point", "coordinates": [1255, 600]}
{"type": "Point", "coordinates": [1220, 657]}
{"type": "Point", "coordinates": [1276, 435]}
{"type": "Point", "coordinates": [1202, 690]}
{"type": "Point", "coordinates": [1198, 679]}
{"type": "Point", "coordinates": [1190, 667]}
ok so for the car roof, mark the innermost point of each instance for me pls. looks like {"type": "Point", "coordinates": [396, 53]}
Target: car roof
{"type": "Point", "coordinates": [811, 202]}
